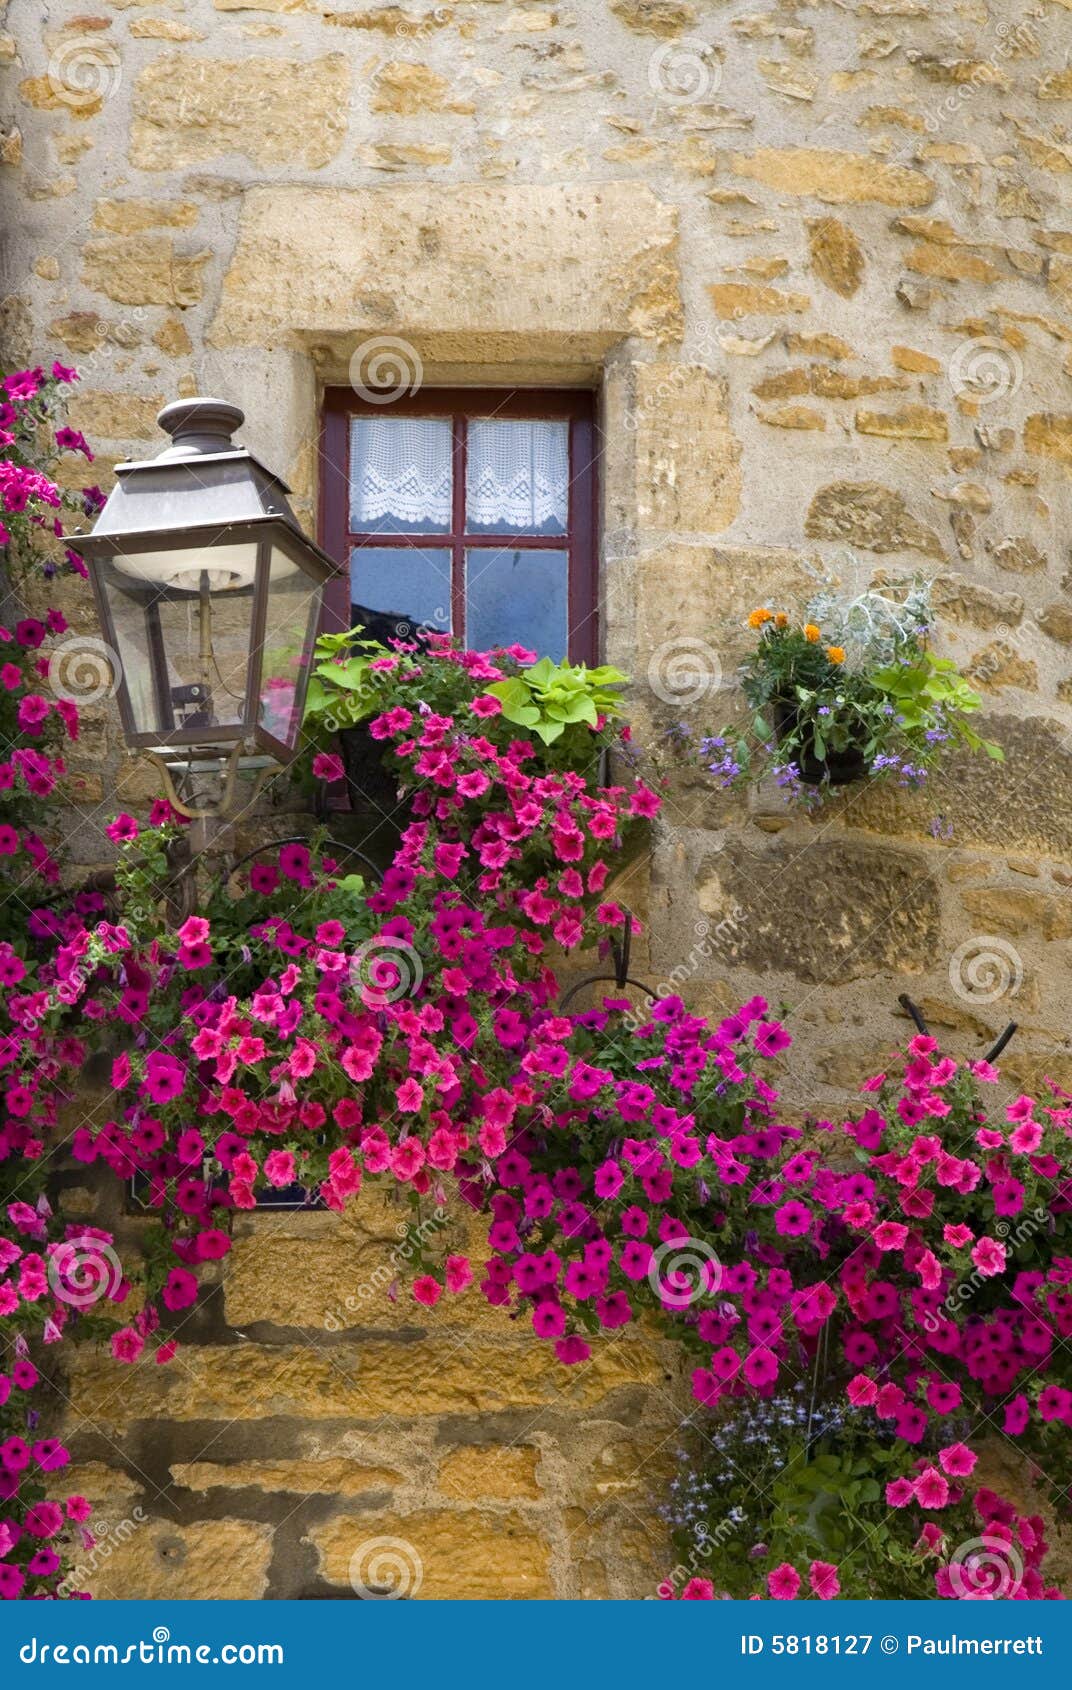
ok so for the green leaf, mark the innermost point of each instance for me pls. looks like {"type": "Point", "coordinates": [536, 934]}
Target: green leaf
{"type": "Point", "coordinates": [548, 731]}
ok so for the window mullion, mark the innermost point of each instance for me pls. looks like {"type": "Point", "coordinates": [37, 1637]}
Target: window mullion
{"type": "Point", "coordinates": [460, 451]}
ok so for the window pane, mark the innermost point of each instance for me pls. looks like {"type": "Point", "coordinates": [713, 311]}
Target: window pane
{"type": "Point", "coordinates": [186, 662]}
{"type": "Point", "coordinates": [517, 477]}
{"type": "Point", "coordinates": [289, 632]}
{"type": "Point", "coordinates": [400, 475]}
{"type": "Point", "coordinates": [401, 584]}
{"type": "Point", "coordinates": [514, 595]}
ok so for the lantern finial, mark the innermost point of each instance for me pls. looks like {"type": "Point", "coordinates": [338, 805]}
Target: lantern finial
{"type": "Point", "coordinates": [199, 425]}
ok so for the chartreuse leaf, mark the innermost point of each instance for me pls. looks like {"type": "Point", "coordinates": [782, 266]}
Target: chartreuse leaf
{"type": "Point", "coordinates": [547, 697]}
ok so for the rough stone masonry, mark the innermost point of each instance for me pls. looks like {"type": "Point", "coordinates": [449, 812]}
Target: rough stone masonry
{"type": "Point", "coordinates": [816, 259]}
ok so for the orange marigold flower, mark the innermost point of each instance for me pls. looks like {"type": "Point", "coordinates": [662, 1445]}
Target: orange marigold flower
{"type": "Point", "coordinates": [836, 653]}
{"type": "Point", "coordinates": [781, 620]}
{"type": "Point", "coordinates": [811, 633]}
{"type": "Point", "coordinates": [758, 617]}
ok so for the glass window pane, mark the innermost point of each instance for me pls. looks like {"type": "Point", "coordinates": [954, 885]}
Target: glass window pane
{"type": "Point", "coordinates": [400, 584]}
{"type": "Point", "coordinates": [184, 650]}
{"type": "Point", "coordinates": [400, 475]}
{"type": "Point", "coordinates": [291, 620]}
{"type": "Point", "coordinates": [514, 595]}
{"type": "Point", "coordinates": [517, 477]}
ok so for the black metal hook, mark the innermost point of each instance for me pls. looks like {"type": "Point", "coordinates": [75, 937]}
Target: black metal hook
{"type": "Point", "coordinates": [622, 953]}
{"type": "Point", "coordinates": [916, 1014]}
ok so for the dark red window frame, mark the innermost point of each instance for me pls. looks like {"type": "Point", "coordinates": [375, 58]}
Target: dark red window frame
{"type": "Point", "coordinates": [464, 405]}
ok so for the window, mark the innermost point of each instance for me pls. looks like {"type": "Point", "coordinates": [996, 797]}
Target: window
{"type": "Point", "coordinates": [472, 513]}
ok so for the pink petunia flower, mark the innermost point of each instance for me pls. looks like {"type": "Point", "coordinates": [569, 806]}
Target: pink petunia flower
{"type": "Point", "coordinates": [783, 1583]}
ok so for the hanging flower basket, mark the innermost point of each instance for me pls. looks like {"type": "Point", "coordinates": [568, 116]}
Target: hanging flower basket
{"type": "Point", "coordinates": [851, 693]}
{"type": "Point", "coordinates": [833, 768]}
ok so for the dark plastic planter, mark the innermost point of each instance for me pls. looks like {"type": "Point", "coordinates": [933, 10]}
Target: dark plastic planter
{"type": "Point", "coordinates": [837, 768]}
{"type": "Point", "coordinates": [372, 789]}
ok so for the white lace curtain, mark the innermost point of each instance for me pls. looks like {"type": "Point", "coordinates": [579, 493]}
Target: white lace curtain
{"type": "Point", "coordinates": [400, 469]}
{"type": "Point", "coordinates": [517, 476]}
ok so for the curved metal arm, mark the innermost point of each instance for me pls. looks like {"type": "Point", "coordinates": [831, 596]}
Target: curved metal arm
{"type": "Point", "coordinates": [301, 839]}
{"type": "Point", "coordinates": [999, 1044]}
{"type": "Point", "coordinates": [614, 979]}
{"type": "Point", "coordinates": [229, 776]}
{"type": "Point", "coordinates": [916, 1014]}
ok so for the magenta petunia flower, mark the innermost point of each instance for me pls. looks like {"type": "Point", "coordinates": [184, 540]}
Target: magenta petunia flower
{"type": "Point", "coordinates": [783, 1583]}
{"type": "Point", "coordinates": [427, 1290]}
{"type": "Point", "coordinates": [122, 829]}
{"type": "Point", "coordinates": [328, 766]}
{"type": "Point", "coordinates": [931, 1489]}
{"type": "Point", "coordinates": [548, 1319]}
{"type": "Point", "coordinates": [957, 1460]}
{"type": "Point", "coordinates": [823, 1578]}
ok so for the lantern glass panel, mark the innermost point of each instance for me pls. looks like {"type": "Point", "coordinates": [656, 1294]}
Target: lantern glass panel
{"type": "Point", "coordinates": [182, 620]}
{"type": "Point", "coordinates": [291, 620]}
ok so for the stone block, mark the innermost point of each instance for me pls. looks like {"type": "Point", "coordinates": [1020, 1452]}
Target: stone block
{"type": "Point", "coordinates": [834, 178]}
{"type": "Point", "coordinates": [444, 1555]}
{"type": "Point", "coordinates": [490, 1472]}
{"type": "Point", "coordinates": [338, 1477]}
{"type": "Point", "coordinates": [1023, 805]}
{"type": "Point", "coordinates": [143, 270]}
{"type": "Point", "coordinates": [836, 912]}
{"type": "Point", "coordinates": [115, 416]}
{"type": "Point", "coordinates": [864, 513]}
{"type": "Point", "coordinates": [365, 1382]}
{"type": "Point", "coordinates": [209, 1560]}
{"type": "Point", "coordinates": [837, 257]}
{"type": "Point", "coordinates": [560, 266]}
{"type": "Point", "coordinates": [189, 109]}
{"type": "Point", "coordinates": [687, 456]}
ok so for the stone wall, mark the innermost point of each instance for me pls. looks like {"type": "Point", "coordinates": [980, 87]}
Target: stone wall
{"type": "Point", "coordinates": [817, 261]}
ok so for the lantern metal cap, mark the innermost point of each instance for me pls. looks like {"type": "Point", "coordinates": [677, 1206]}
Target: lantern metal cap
{"type": "Point", "coordinates": [199, 426]}
{"type": "Point", "coordinates": [202, 480]}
